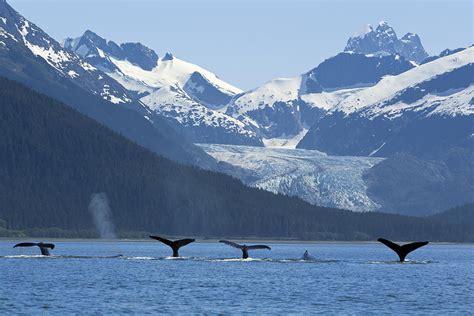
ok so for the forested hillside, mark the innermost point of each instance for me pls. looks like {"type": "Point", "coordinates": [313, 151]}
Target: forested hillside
{"type": "Point", "coordinates": [52, 159]}
{"type": "Point", "coordinates": [409, 185]}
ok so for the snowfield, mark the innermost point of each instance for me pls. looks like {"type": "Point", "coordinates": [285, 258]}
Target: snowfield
{"type": "Point", "coordinates": [174, 103]}
{"type": "Point", "coordinates": [333, 181]}
{"type": "Point", "coordinates": [390, 85]}
{"type": "Point", "coordinates": [277, 90]}
{"type": "Point", "coordinates": [170, 71]}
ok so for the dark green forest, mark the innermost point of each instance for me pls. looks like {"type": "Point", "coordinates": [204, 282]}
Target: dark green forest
{"type": "Point", "coordinates": [52, 159]}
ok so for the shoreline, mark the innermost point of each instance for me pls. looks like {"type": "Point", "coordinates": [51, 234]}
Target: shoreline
{"type": "Point", "coordinates": [216, 240]}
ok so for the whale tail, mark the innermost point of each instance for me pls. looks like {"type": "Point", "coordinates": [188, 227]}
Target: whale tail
{"type": "Point", "coordinates": [175, 245]}
{"type": "Point", "coordinates": [42, 246]}
{"type": "Point", "coordinates": [244, 248]}
{"type": "Point", "coordinates": [404, 250]}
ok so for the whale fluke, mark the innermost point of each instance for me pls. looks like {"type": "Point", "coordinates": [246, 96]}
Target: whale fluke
{"type": "Point", "coordinates": [175, 245]}
{"type": "Point", "coordinates": [244, 248]}
{"type": "Point", "coordinates": [42, 246]}
{"type": "Point", "coordinates": [404, 250]}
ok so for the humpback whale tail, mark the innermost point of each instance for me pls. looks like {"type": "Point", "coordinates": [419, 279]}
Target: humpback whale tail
{"type": "Point", "coordinates": [175, 245]}
{"type": "Point", "coordinates": [244, 248]}
{"type": "Point", "coordinates": [43, 247]}
{"type": "Point", "coordinates": [404, 250]}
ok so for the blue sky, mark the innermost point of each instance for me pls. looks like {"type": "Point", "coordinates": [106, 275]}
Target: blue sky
{"type": "Point", "coordinates": [250, 42]}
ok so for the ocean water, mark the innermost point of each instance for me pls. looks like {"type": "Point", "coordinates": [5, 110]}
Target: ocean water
{"type": "Point", "coordinates": [346, 278]}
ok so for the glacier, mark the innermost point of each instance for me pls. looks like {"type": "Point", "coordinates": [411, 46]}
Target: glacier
{"type": "Point", "coordinates": [318, 178]}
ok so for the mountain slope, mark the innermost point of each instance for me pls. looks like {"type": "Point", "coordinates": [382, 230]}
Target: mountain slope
{"type": "Point", "coordinates": [199, 94]}
{"type": "Point", "coordinates": [423, 111]}
{"type": "Point", "coordinates": [203, 124]}
{"type": "Point", "coordinates": [142, 64]}
{"type": "Point", "coordinates": [58, 158]}
{"type": "Point", "coordinates": [51, 77]}
{"type": "Point", "coordinates": [285, 107]}
{"type": "Point", "coordinates": [408, 185]}
{"type": "Point", "coordinates": [352, 69]}
{"type": "Point", "coordinates": [18, 31]}
{"type": "Point", "coordinates": [392, 85]}
{"type": "Point", "coordinates": [423, 120]}
{"type": "Point", "coordinates": [444, 53]}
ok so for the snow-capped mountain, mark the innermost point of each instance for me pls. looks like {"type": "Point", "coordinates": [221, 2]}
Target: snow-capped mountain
{"type": "Point", "coordinates": [30, 56]}
{"type": "Point", "coordinates": [424, 110]}
{"type": "Point", "coordinates": [379, 98]}
{"type": "Point", "coordinates": [412, 85]}
{"type": "Point", "coordinates": [384, 41]}
{"type": "Point", "coordinates": [16, 31]}
{"type": "Point", "coordinates": [93, 47]}
{"type": "Point", "coordinates": [189, 96]}
{"type": "Point", "coordinates": [283, 108]}
{"type": "Point", "coordinates": [207, 109]}
{"type": "Point", "coordinates": [332, 181]}
{"type": "Point", "coordinates": [201, 123]}
{"type": "Point", "coordinates": [136, 62]}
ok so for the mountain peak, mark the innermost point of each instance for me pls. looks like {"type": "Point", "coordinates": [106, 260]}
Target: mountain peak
{"type": "Point", "coordinates": [411, 37]}
{"type": "Point", "coordinates": [91, 34]}
{"type": "Point", "coordinates": [168, 56]}
{"type": "Point", "coordinates": [91, 45]}
{"type": "Point", "coordinates": [95, 41]}
{"type": "Point", "coordinates": [385, 29]}
{"type": "Point", "coordinates": [140, 55]}
{"type": "Point", "coordinates": [384, 41]}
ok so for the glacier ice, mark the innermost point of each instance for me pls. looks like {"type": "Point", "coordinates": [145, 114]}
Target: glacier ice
{"type": "Point", "coordinates": [320, 179]}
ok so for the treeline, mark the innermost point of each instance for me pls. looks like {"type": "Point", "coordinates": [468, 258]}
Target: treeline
{"type": "Point", "coordinates": [52, 159]}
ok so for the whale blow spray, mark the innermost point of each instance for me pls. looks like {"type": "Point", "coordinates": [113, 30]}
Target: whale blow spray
{"type": "Point", "coordinates": [100, 209]}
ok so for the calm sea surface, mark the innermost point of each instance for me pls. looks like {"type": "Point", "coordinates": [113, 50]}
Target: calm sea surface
{"type": "Point", "coordinates": [346, 278]}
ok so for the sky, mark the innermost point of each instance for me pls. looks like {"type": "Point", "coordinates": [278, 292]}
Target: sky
{"type": "Point", "coordinates": [250, 42]}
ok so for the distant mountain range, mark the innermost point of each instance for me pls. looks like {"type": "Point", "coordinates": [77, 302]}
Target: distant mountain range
{"type": "Point", "coordinates": [188, 95]}
{"type": "Point", "coordinates": [287, 106]}
{"type": "Point", "coordinates": [382, 97]}
{"type": "Point", "coordinates": [53, 159]}
{"type": "Point", "coordinates": [423, 111]}
{"type": "Point", "coordinates": [208, 110]}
